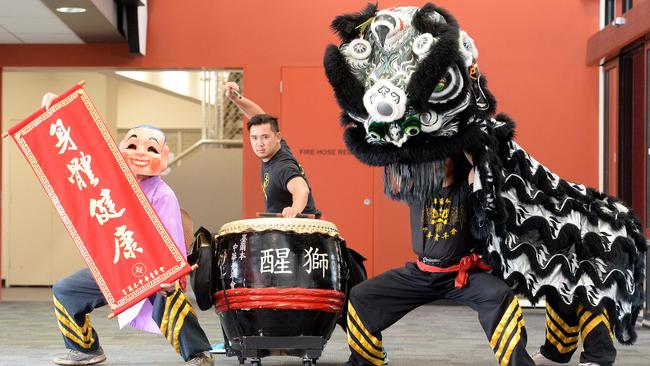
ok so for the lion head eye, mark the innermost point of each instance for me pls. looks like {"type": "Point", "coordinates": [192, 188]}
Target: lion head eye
{"type": "Point", "coordinates": [440, 86]}
{"type": "Point", "coordinates": [411, 125]}
{"type": "Point", "coordinates": [377, 130]}
{"type": "Point", "coordinates": [448, 87]}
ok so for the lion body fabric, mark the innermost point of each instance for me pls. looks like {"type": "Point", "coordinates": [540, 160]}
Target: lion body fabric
{"type": "Point", "coordinates": [547, 235]}
{"type": "Point", "coordinates": [408, 82]}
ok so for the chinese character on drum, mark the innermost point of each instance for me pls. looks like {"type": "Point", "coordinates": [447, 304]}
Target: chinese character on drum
{"type": "Point", "coordinates": [277, 263]}
{"type": "Point", "coordinates": [316, 261]}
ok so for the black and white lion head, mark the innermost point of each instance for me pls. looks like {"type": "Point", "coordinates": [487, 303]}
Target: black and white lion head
{"type": "Point", "coordinates": [408, 82]}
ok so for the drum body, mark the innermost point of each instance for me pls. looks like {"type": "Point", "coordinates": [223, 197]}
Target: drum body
{"type": "Point", "coordinates": [279, 278]}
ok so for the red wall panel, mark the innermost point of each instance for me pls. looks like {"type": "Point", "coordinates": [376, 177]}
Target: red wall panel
{"type": "Point", "coordinates": [532, 53]}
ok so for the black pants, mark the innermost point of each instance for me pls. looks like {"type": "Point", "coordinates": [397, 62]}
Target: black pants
{"type": "Point", "coordinates": [381, 301]}
{"type": "Point", "coordinates": [77, 295]}
{"type": "Point", "coordinates": [566, 324]}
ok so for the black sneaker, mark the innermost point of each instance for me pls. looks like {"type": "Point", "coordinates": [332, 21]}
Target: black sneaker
{"type": "Point", "coordinates": [76, 358]}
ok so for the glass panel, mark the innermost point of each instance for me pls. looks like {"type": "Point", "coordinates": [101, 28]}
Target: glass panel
{"type": "Point", "coordinates": [610, 11]}
{"type": "Point", "coordinates": [606, 104]}
{"type": "Point", "coordinates": [647, 152]}
{"type": "Point", "coordinates": [627, 5]}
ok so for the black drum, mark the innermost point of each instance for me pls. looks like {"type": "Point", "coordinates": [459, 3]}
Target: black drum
{"type": "Point", "coordinates": [279, 278]}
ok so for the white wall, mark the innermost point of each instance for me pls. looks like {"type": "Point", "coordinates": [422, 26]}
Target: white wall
{"type": "Point", "coordinates": [208, 184]}
{"type": "Point", "coordinates": [36, 249]}
{"type": "Point", "coordinates": [139, 105]}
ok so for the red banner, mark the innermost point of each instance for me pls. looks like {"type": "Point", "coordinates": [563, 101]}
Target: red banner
{"type": "Point", "coordinates": [118, 233]}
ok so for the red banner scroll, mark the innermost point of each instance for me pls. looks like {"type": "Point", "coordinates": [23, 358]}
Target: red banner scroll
{"type": "Point", "coordinates": [118, 233]}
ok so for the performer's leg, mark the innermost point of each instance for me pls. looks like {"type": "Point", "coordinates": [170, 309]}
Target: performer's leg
{"type": "Point", "coordinates": [561, 330]}
{"type": "Point", "coordinates": [377, 303]}
{"type": "Point", "coordinates": [499, 314]}
{"type": "Point", "coordinates": [75, 297]}
{"type": "Point", "coordinates": [597, 337]}
{"type": "Point", "coordinates": [178, 323]}
{"type": "Point", "coordinates": [356, 274]}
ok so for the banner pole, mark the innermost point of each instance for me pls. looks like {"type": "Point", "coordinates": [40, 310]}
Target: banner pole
{"type": "Point", "coordinates": [5, 134]}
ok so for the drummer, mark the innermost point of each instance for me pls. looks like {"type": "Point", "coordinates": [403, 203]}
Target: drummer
{"type": "Point", "coordinates": [284, 183]}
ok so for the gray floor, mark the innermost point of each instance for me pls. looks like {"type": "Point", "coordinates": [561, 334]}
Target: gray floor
{"type": "Point", "coordinates": [430, 335]}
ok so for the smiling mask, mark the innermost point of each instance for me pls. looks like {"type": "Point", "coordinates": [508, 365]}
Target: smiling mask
{"type": "Point", "coordinates": [145, 150]}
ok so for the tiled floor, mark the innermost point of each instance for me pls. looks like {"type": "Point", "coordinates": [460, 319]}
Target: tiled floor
{"type": "Point", "coordinates": [430, 335]}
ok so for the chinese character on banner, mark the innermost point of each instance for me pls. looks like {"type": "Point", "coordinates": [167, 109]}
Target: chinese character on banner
{"type": "Point", "coordinates": [275, 262]}
{"type": "Point", "coordinates": [104, 209]}
{"type": "Point", "coordinates": [106, 212]}
{"type": "Point", "coordinates": [124, 240]}
{"type": "Point", "coordinates": [82, 165]}
{"type": "Point", "coordinates": [65, 141]}
{"type": "Point", "coordinates": [316, 261]}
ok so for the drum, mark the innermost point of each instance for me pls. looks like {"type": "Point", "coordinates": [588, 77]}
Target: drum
{"type": "Point", "coordinates": [279, 278]}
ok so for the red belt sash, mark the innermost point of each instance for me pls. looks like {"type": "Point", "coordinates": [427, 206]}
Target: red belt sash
{"type": "Point", "coordinates": [465, 264]}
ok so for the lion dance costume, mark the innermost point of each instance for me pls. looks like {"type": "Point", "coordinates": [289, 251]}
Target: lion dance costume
{"type": "Point", "coordinates": [412, 95]}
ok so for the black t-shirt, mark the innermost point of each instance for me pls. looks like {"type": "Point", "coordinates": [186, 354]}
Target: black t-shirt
{"type": "Point", "coordinates": [440, 227]}
{"type": "Point", "coordinates": [276, 173]}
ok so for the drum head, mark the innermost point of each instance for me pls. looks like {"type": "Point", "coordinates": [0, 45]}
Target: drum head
{"type": "Point", "coordinates": [299, 226]}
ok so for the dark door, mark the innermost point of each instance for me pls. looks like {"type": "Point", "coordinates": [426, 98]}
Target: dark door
{"type": "Point", "coordinates": [632, 131]}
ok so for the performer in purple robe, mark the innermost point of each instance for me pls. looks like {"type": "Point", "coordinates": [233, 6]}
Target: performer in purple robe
{"type": "Point", "coordinates": [169, 311]}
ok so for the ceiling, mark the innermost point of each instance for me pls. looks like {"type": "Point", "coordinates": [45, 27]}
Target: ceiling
{"type": "Point", "coordinates": [38, 22]}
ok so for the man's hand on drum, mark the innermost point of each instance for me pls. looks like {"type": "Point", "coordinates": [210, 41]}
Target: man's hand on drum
{"type": "Point", "coordinates": [47, 100]}
{"type": "Point", "coordinates": [290, 212]}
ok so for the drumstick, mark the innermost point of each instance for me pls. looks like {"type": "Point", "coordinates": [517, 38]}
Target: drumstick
{"type": "Point", "coordinates": [273, 214]}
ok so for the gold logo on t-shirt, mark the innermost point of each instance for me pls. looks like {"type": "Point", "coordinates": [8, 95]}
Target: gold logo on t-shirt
{"type": "Point", "coordinates": [441, 221]}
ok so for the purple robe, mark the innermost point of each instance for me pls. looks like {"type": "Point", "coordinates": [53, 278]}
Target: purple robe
{"type": "Point", "coordinates": [164, 202]}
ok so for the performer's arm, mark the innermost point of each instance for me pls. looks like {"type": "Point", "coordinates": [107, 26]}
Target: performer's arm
{"type": "Point", "coordinates": [247, 106]}
{"type": "Point", "coordinates": [299, 190]}
{"type": "Point", "coordinates": [470, 176]}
